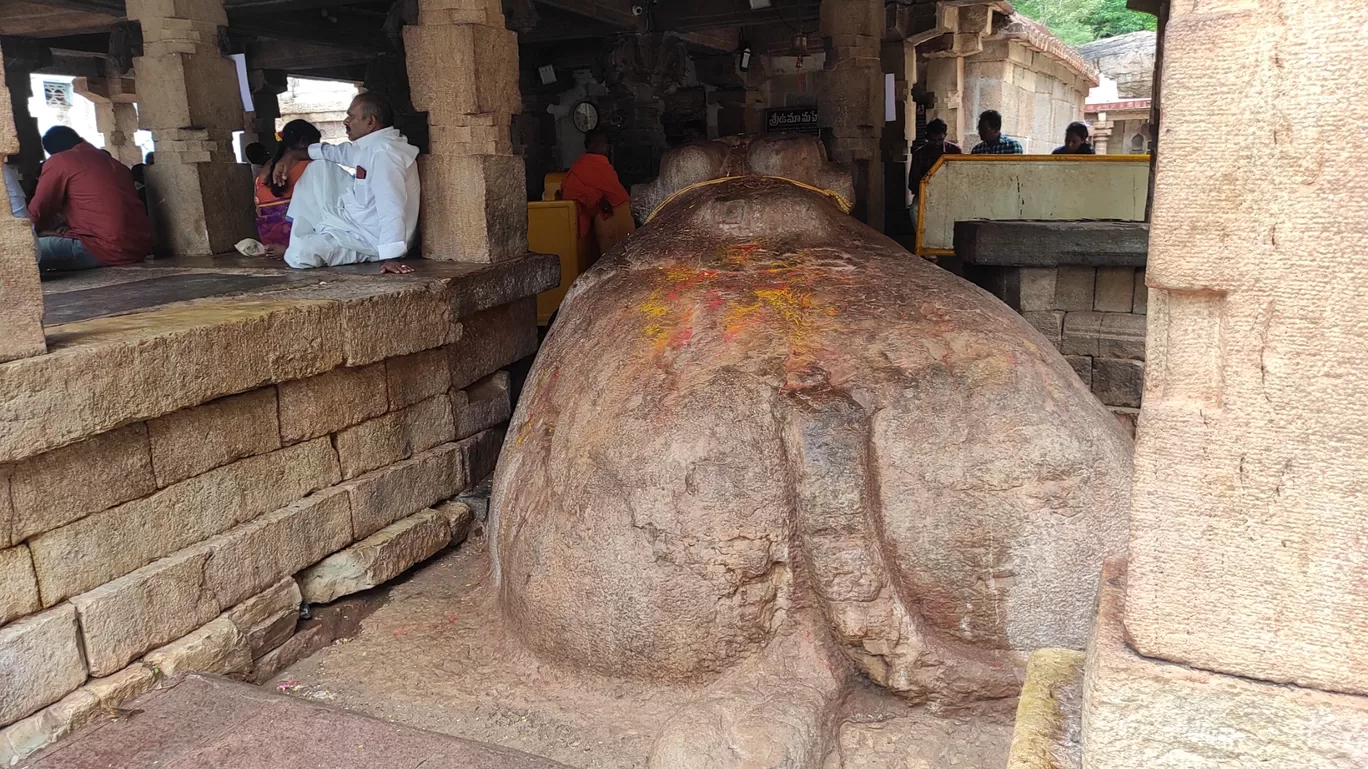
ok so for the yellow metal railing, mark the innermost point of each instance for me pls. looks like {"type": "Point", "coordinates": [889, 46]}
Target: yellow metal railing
{"type": "Point", "coordinates": [1040, 187]}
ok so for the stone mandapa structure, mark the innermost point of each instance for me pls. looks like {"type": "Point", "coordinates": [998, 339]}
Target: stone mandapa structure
{"type": "Point", "coordinates": [996, 59]}
{"type": "Point", "coordinates": [807, 454]}
{"type": "Point", "coordinates": [190, 448]}
{"type": "Point", "coordinates": [173, 482]}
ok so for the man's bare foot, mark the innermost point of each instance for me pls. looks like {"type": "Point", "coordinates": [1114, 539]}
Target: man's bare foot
{"type": "Point", "coordinates": [394, 268]}
{"type": "Point", "coordinates": [275, 251]}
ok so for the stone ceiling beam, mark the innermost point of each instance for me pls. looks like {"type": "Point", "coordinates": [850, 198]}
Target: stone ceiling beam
{"type": "Point", "coordinates": [618, 13]}
{"type": "Point", "coordinates": [39, 20]}
{"type": "Point", "coordinates": [719, 40]}
{"type": "Point", "coordinates": [800, 15]}
{"type": "Point", "coordinates": [352, 32]}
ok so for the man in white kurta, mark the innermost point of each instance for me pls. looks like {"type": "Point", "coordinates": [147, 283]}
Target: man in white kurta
{"type": "Point", "coordinates": [338, 220]}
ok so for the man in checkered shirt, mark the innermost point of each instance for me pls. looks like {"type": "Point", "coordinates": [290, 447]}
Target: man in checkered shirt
{"type": "Point", "coordinates": [994, 143]}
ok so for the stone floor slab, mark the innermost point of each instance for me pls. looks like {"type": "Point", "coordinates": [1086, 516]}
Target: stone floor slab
{"type": "Point", "coordinates": [199, 721]}
{"type": "Point", "coordinates": [436, 655]}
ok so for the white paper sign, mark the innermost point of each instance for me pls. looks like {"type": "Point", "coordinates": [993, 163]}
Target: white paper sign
{"type": "Point", "coordinates": [240, 59]}
{"type": "Point", "coordinates": [890, 98]}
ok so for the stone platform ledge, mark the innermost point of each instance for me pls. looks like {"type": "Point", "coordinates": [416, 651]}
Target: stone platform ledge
{"type": "Point", "coordinates": [477, 286]}
{"type": "Point", "coordinates": [1049, 712]}
{"type": "Point", "coordinates": [102, 373]}
{"type": "Point", "coordinates": [1028, 243]}
{"type": "Point", "coordinates": [1142, 713]}
{"type": "Point", "coordinates": [205, 721]}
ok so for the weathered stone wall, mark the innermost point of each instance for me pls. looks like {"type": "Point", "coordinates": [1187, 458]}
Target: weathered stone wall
{"type": "Point", "coordinates": [187, 541]}
{"type": "Point", "coordinates": [1127, 59]}
{"type": "Point", "coordinates": [1095, 316]}
{"type": "Point", "coordinates": [1037, 95]}
{"type": "Point", "coordinates": [1240, 640]}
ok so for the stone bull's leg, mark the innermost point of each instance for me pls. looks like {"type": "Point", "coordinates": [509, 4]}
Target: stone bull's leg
{"type": "Point", "coordinates": [843, 555]}
{"type": "Point", "coordinates": [775, 711]}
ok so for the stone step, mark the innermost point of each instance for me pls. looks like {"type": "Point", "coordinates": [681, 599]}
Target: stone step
{"type": "Point", "coordinates": [206, 721]}
{"type": "Point", "coordinates": [1049, 713]}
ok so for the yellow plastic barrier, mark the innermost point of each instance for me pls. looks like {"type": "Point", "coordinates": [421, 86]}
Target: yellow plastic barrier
{"type": "Point", "coordinates": [1041, 187]}
{"type": "Point", "coordinates": [553, 228]}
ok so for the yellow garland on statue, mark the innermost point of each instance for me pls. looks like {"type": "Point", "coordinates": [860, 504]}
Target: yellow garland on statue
{"type": "Point", "coordinates": [841, 202]}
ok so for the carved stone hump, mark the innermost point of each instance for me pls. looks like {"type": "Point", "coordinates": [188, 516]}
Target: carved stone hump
{"type": "Point", "coordinates": [791, 156]}
{"type": "Point", "coordinates": [759, 413]}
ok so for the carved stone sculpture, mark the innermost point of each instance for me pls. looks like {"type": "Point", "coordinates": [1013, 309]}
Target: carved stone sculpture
{"type": "Point", "coordinates": [765, 449]}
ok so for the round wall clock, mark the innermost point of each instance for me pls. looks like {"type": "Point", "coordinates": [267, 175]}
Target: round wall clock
{"type": "Point", "coordinates": [586, 116]}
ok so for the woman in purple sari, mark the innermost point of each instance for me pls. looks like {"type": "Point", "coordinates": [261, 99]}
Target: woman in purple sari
{"type": "Point", "coordinates": [273, 200]}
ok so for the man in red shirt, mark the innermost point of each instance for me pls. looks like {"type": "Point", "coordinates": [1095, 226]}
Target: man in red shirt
{"type": "Point", "coordinates": [105, 225]}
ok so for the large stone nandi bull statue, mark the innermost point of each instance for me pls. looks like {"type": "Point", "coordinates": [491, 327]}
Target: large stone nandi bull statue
{"type": "Point", "coordinates": [765, 449]}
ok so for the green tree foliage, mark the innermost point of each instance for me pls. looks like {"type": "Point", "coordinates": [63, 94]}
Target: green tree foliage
{"type": "Point", "coordinates": [1082, 21]}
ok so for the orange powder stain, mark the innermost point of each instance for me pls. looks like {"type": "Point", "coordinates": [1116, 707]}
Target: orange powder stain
{"type": "Point", "coordinates": [787, 307]}
{"type": "Point", "coordinates": [740, 254]}
{"type": "Point", "coordinates": [541, 389]}
{"type": "Point", "coordinates": [669, 321]}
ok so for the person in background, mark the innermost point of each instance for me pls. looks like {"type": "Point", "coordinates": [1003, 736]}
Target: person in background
{"type": "Point", "coordinates": [372, 219]}
{"type": "Point", "coordinates": [1075, 141]}
{"type": "Point", "coordinates": [256, 154]}
{"type": "Point", "coordinates": [18, 202]}
{"type": "Point", "coordinates": [603, 203]}
{"type": "Point", "coordinates": [994, 143]}
{"type": "Point", "coordinates": [925, 156]}
{"type": "Point", "coordinates": [106, 224]}
{"type": "Point", "coordinates": [150, 159]}
{"type": "Point", "coordinates": [273, 199]}
{"type": "Point", "coordinates": [140, 181]}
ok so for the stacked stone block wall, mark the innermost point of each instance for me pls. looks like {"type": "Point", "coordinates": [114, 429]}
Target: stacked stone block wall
{"type": "Point", "coordinates": [1095, 317]}
{"type": "Point", "coordinates": [187, 541]}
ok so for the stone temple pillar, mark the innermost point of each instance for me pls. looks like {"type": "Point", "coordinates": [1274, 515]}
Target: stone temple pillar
{"type": "Point", "coordinates": [850, 102]}
{"type": "Point", "coordinates": [267, 85]}
{"type": "Point", "coordinates": [116, 115]}
{"type": "Point", "coordinates": [30, 142]}
{"type": "Point", "coordinates": [21, 295]}
{"type": "Point", "coordinates": [463, 72]}
{"type": "Point", "coordinates": [1101, 136]}
{"type": "Point", "coordinates": [1238, 636]}
{"type": "Point", "coordinates": [201, 197]}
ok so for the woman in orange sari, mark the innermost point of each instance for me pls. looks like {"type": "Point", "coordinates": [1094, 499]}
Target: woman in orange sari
{"type": "Point", "coordinates": [273, 200]}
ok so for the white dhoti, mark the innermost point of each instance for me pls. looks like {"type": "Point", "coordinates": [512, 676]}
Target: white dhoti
{"type": "Point", "coordinates": [321, 233]}
{"type": "Point", "coordinates": [343, 220]}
